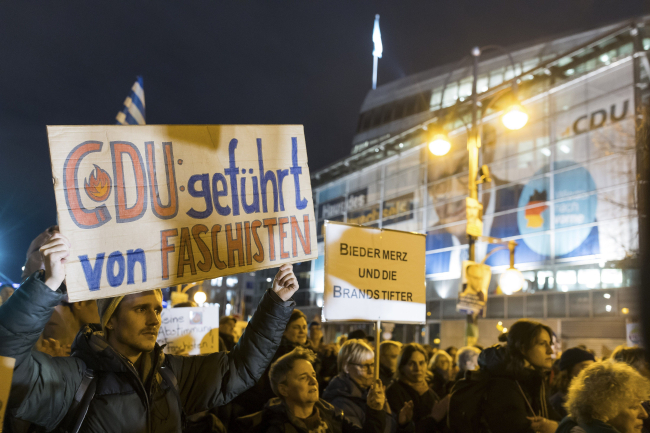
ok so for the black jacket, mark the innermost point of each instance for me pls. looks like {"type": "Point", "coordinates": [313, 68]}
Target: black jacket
{"type": "Point", "coordinates": [43, 387]}
{"type": "Point", "coordinates": [508, 395]}
{"type": "Point", "coordinates": [398, 394]}
{"type": "Point", "coordinates": [276, 418]}
{"type": "Point", "coordinates": [346, 395]}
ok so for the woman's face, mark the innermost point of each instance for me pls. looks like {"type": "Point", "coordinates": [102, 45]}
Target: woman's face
{"type": "Point", "coordinates": [442, 363]}
{"type": "Point", "coordinates": [363, 372]}
{"type": "Point", "coordinates": [539, 354]}
{"type": "Point", "coordinates": [414, 370]}
{"type": "Point", "coordinates": [296, 331]}
{"type": "Point", "coordinates": [630, 419]}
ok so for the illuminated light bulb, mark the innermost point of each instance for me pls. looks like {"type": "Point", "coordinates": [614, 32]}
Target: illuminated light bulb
{"type": "Point", "coordinates": [200, 297]}
{"type": "Point", "coordinates": [515, 118]}
{"type": "Point", "coordinates": [505, 330]}
{"type": "Point", "coordinates": [511, 281]}
{"type": "Point", "coordinates": [625, 310]}
{"type": "Point", "coordinates": [436, 341]}
{"type": "Point", "coordinates": [608, 308]}
{"type": "Point", "coordinates": [440, 145]}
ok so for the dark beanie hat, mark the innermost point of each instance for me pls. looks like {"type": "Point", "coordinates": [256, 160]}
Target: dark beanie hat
{"type": "Point", "coordinates": [574, 356]}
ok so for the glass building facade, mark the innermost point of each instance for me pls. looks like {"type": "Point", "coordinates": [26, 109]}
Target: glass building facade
{"type": "Point", "coordinates": [564, 187]}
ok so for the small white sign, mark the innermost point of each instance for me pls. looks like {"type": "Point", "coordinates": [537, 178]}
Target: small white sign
{"type": "Point", "coordinates": [190, 331]}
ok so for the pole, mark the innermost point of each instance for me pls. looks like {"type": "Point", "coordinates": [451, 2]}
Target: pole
{"type": "Point", "coordinates": [473, 144]}
{"type": "Point", "coordinates": [377, 337]}
{"type": "Point", "coordinates": [374, 72]}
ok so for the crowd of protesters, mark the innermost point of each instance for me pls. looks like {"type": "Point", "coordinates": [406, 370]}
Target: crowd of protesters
{"type": "Point", "coordinates": [96, 367]}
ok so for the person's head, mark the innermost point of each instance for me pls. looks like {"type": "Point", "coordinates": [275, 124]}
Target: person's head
{"type": "Point", "coordinates": [340, 341]}
{"type": "Point", "coordinates": [293, 377]}
{"type": "Point", "coordinates": [360, 334]}
{"type": "Point", "coordinates": [570, 364]}
{"type": "Point", "coordinates": [530, 345]}
{"type": "Point", "coordinates": [227, 325]}
{"type": "Point", "coordinates": [633, 356]}
{"type": "Point", "coordinates": [296, 330]}
{"type": "Point", "coordinates": [357, 359]}
{"type": "Point", "coordinates": [412, 363]}
{"type": "Point", "coordinates": [315, 331]}
{"type": "Point", "coordinates": [467, 358]}
{"type": "Point", "coordinates": [190, 304]}
{"type": "Point", "coordinates": [388, 353]}
{"type": "Point", "coordinates": [441, 361]}
{"type": "Point", "coordinates": [451, 351]}
{"type": "Point", "coordinates": [131, 322]}
{"type": "Point", "coordinates": [610, 392]}
{"type": "Point", "coordinates": [5, 293]}
{"type": "Point", "coordinates": [84, 312]}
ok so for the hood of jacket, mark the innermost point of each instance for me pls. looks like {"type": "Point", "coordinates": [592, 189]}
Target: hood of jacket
{"type": "Point", "coordinates": [494, 361]}
{"type": "Point", "coordinates": [343, 386]}
{"type": "Point", "coordinates": [276, 412]}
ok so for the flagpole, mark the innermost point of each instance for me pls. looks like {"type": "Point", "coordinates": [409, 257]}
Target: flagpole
{"type": "Point", "coordinates": [374, 72]}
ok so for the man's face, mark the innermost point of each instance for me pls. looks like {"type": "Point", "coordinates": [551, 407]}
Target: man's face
{"type": "Point", "coordinates": [315, 333]}
{"type": "Point", "coordinates": [300, 385]}
{"type": "Point", "coordinates": [86, 312]}
{"type": "Point", "coordinates": [388, 357]}
{"type": "Point", "coordinates": [228, 327]}
{"type": "Point", "coordinates": [133, 328]}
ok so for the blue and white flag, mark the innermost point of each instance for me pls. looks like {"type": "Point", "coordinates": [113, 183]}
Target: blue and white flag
{"type": "Point", "coordinates": [133, 111]}
{"type": "Point", "coordinates": [376, 39]}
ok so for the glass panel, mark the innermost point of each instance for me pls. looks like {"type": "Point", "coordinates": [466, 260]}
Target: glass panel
{"type": "Point", "coordinates": [545, 280]}
{"type": "Point", "coordinates": [515, 307]}
{"type": "Point", "coordinates": [589, 278]}
{"type": "Point", "coordinates": [566, 280]}
{"type": "Point", "coordinates": [556, 305]}
{"type": "Point", "coordinates": [578, 304]}
{"type": "Point", "coordinates": [495, 308]}
{"type": "Point", "coordinates": [605, 303]}
{"type": "Point", "coordinates": [612, 278]}
{"type": "Point", "coordinates": [535, 306]}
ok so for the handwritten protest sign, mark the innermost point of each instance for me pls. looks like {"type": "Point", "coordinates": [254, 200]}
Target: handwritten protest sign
{"type": "Point", "coordinates": [155, 206]}
{"type": "Point", "coordinates": [6, 373]}
{"type": "Point", "coordinates": [189, 331]}
{"type": "Point", "coordinates": [373, 274]}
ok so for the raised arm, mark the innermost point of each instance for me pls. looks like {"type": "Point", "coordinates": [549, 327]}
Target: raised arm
{"type": "Point", "coordinates": [212, 380]}
{"type": "Point", "coordinates": [43, 387]}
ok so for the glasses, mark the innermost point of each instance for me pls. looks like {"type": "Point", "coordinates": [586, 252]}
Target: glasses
{"type": "Point", "coordinates": [369, 367]}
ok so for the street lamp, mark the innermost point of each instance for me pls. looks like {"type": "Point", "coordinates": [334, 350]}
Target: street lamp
{"type": "Point", "coordinates": [439, 145]}
{"type": "Point", "coordinates": [515, 118]}
{"type": "Point", "coordinates": [200, 297]}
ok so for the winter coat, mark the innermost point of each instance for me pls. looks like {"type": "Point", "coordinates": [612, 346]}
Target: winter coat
{"type": "Point", "coordinates": [43, 387]}
{"type": "Point", "coordinates": [256, 397]}
{"type": "Point", "coordinates": [399, 393]}
{"type": "Point", "coordinates": [569, 425]}
{"type": "Point", "coordinates": [276, 418]}
{"type": "Point", "coordinates": [557, 403]}
{"type": "Point", "coordinates": [346, 395]}
{"type": "Point", "coordinates": [386, 375]}
{"type": "Point", "coordinates": [506, 409]}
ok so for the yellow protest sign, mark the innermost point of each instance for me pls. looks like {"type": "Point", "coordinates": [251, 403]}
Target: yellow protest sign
{"type": "Point", "coordinates": [373, 274]}
{"type": "Point", "coordinates": [159, 205]}
{"type": "Point", "coordinates": [6, 373]}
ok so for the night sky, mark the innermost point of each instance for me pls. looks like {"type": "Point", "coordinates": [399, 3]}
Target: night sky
{"type": "Point", "coordinates": [228, 62]}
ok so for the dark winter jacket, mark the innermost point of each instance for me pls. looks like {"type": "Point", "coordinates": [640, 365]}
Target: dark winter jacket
{"type": "Point", "coordinates": [557, 403]}
{"type": "Point", "coordinates": [276, 418]}
{"type": "Point", "coordinates": [569, 425]}
{"type": "Point", "coordinates": [346, 395]}
{"type": "Point", "coordinates": [386, 375]}
{"type": "Point", "coordinates": [127, 399]}
{"type": "Point", "coordinates": [256, 397]}
{"type": "Point", "coordinates": [399, 393]}
{"type": "Point", "coordinates": [506, 410]}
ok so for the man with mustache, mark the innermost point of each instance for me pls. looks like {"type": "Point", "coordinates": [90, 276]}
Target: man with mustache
{"type": "Point", "coordinates": [137, 387]}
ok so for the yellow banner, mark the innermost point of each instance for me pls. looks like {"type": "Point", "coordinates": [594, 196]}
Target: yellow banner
{"type": "Point", "coordinates": [154, 206]}
{"type": "Point", "coordinates": [374, 274]}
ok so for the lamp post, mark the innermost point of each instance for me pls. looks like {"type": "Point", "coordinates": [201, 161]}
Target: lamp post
{"type": "Point", "coordinates": [514, 118]}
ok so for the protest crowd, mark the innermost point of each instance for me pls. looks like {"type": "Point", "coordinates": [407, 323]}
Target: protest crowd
{"type": "Point", "coordinates": [95, 366]}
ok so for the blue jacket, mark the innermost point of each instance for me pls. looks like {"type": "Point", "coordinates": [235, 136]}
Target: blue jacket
{"type": "Point", "coordinates": [43, 387]}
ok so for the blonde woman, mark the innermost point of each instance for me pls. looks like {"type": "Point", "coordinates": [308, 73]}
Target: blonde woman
{"type": "Point", "coordinates": [440, 367]}
{"type": "Point", "coordinates": [606, 398]}
{"type": "Point", "coordinates": [348, 391]}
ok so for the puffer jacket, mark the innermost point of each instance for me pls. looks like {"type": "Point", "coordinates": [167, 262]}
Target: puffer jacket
{"type": "Point", "coordinates": [506, 407]}
{"type": "Point", "coordinates": [346, 395]}
{"type": "Point", "coordinates": [43, 387]}
{"type": "Point", "coordinates": [276, 418]}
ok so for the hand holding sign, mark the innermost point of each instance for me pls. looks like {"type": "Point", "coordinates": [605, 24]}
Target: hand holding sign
{"type": "Point", "coordinates": [55, 252]}
{"type": "Point", "coordinates": [285, 283]}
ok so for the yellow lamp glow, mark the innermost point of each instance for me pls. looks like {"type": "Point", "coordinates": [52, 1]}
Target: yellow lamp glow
{"type": "Point", "coordinates": [200, 297]}
{"type": "Point", "coordinates": [625, 310]}
{"type": "Point", "coordinates": [436, 341]}
{"type": "Point", "coordinates": [440, 145]}
{"type": "Point", "coordinates": [511, 281]}
{"type": "Point", "coordinates": [515, 118]}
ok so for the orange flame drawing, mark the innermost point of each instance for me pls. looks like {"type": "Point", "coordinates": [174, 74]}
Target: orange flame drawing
{"type": "Point", "coordinates": [98, 187]}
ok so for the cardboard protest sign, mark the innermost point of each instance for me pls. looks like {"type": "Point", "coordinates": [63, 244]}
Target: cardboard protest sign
{"type": "Point", "coordinates": [159, 205]}
{"type": "Point", "coordinates": [473, 293]}
{"type": "Point", "coordinates": [189, 331]}
{"type": "Point", "coordinates": [6, 373]}
{"type": "Point", "coordinates": [373, 274]}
